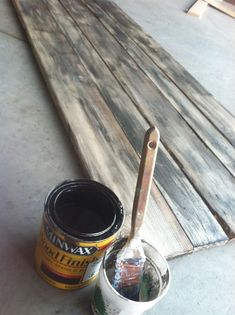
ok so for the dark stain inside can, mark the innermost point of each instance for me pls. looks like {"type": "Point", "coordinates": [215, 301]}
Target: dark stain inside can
{"type": "Point", "coordinates": [85, 209]}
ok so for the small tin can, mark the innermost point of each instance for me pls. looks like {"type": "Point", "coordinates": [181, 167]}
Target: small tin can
{"type": "Point", "coordinates": [153, 287]}
{"type": "Point", "coordinates": [81, 219]}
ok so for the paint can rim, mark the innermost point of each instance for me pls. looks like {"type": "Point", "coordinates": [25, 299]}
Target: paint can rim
{"type": "Point", "coordinates": [117, 208]}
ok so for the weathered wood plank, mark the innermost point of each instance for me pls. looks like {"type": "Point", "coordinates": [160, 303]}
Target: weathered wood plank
{"type": "Point", "coordinates": [197, 161]}
{"type": "Point", "coordinates": [193, 215]}
{"type": "Point", "coordinates": [218, 144]}
{"type": "Point", "coordinates": [99, 141]}
{"type": "Point", "coordinates": [205, 102]}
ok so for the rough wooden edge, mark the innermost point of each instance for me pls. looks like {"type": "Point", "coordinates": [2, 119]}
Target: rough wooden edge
{"type": "Point", "coordinates": [197, 9]}
{"type": "Point", "coordinates": [221, 7]}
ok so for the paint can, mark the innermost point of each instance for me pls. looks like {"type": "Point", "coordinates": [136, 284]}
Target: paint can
{"type": "Point", "coordinates": [81, 219]}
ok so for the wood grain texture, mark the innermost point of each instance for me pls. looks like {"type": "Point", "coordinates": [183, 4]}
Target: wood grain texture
{"type": "Point", "coordinates": [197, 161]}
{"type": "Point", "coordinates": [194, 216]}
{"type": "Point", "coordinates": [218, 144]}
{"type": "Point", "coordinates": [108, 89]}
{"type": "Point", "coordinates": [100, 142]}
{"type": "Point", "coordinates": [176, 73]}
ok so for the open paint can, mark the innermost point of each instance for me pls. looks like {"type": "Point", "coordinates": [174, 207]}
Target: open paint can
{"type": "Point", "coordinates": [80, 220]}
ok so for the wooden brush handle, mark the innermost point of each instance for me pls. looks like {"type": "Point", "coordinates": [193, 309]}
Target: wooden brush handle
{"type": "Point", "coordinates": [144, 181]}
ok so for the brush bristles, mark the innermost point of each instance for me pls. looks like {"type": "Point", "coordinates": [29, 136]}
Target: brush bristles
{"type": "Point", "coordinates": [128, 273]}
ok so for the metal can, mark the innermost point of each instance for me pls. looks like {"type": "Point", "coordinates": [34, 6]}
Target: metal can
{"type": "Point", "coordinates": [81, 219]}
{"type": "Point", "coordinates": [154, 284]}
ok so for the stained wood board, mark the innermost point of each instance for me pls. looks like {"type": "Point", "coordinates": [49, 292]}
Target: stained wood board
{"type": "Point", "coordinates": [221, 147]}
{"type": "Point", "coordinates": [108, 90]}
{"type": "Point", "coordinates": [200, 97]}
{"type": "Point", "coordinates": [124, 110]}
{"type": "Point", "coordinates": [103, 149]}
{"type": "Point", "coordinates": [199, 163]}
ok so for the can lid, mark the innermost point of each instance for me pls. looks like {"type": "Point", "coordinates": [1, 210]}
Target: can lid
{"type": "Point", "coordinates": [85, 209]}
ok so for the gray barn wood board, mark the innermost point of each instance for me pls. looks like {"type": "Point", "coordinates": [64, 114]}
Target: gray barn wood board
{"type": "Point", "coordinates": [187, 148]}
{"type": "Point", "coordinates": [174, 191]}
{"type": "Point", "coordinates": [201, 98]}
{"type": "Point", "coordinates": [108, 88]}
{"type": "Point", "coordinates": [191, 114]}
{"type": "Point", "coordinates": [105, 152]}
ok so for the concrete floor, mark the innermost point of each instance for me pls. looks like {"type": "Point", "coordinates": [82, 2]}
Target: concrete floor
{"type": "Point", "coordinates": [36, 154]}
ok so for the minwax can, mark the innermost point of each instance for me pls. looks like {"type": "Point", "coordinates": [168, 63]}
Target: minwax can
{"type": "Point", "coordinates": [81, 219]}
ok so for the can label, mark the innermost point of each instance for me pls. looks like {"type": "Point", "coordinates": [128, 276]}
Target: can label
{"type": "Point", "coordinates": [65, 262]}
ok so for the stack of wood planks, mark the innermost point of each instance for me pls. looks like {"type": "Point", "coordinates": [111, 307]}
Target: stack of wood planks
{"type": "Point", "coordinates": [109, 81]}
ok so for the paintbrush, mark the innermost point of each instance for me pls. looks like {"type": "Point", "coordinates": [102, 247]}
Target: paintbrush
{"type": "Point", "coordinates": [130, 259]}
